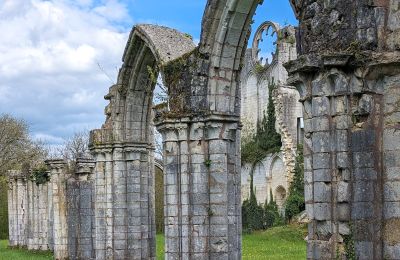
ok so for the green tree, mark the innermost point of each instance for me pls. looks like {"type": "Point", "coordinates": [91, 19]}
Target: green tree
{"type": "Point", "coordinates": [267, 137]}
{"type": "Point", "coordinates": [266, 140]}
{"type": "Point", "coordinates": [271, 213]}
{"type": "Point", "coordinates": [295, 201]}
{"type": "Point", "coordinates": [252, 213]}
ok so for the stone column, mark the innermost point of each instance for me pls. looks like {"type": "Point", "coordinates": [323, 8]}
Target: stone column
{"type": "Point", "coordinates": [80, 195]}
{"type": "Point", "coordinates": [17, 206]}
{"type": "Point", "coordinates": [12, 240]}
{"type": "Point", "coordinates": [21, 209]}
{"type": "Point", "coordinates": [124, 207]}
{"type": "Point", "coordinates": [140, 202]}
{"type": "Point", "coordinates": [202, 188]}
{"type": "Point", "coordinates": [100, 203]}
{"type": "Point", "coordinates": [31, 215]}
{"type": "Point", "coordinates": [60, 228]}
{"type": "Point", "coordinates": [43, 216]}
{"type": "Point", "coordinates": [350, 156]}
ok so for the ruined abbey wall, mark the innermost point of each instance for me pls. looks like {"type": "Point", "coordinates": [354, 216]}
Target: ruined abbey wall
{"type": "Point", "coordinates": [347, 74]}
{"type": "Point", "coordinates": [273, 173]}
{"type": "Point", "coordinates": [56, 215]}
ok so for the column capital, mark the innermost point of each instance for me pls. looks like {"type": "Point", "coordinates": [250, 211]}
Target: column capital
{"type": "Point", "coordinates": [56, 164]}
{"type": "Point", "coordinates": [84, 167]}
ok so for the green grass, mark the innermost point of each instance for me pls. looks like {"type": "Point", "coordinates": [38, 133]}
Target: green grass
{"type": "Point", "coordinates": [285, 242]}
{"type": "Point", "coordinates": [21, 254]}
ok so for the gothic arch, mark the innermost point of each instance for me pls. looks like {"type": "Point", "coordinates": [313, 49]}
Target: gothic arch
{"type": "Point", "coordinates": [323, 46]}
{"type": "Point", "coordinates": [123, 148]}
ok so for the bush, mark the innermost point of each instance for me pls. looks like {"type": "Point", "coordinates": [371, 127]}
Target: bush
{"type": "Point", "coordinates": [252, 213]}
{"type": "Point", "coordinates": [272, 217]}
{"type": "Point", "coordinates": [40, 175]}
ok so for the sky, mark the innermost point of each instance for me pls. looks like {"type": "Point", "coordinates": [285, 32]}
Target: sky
{"type": "Point", "coordinates": [59, 57]}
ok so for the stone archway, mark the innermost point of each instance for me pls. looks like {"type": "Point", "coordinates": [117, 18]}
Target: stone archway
{"type": "Point", "coordinates": [123, 148]}
{"type": "Point", "coordinates": [350, 125]}
{"type": "Point", "coordinates": [345, 73]}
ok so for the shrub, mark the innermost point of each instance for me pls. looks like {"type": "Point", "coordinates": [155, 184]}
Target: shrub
{"type": "Point", "coordinates": [271, 213]}
{"type": "Point", "coordinates": [295, 201]}
{"type": "Point", "coordinates": [252, 213]}
{"type": "Point", "coordinates": [40, 175]}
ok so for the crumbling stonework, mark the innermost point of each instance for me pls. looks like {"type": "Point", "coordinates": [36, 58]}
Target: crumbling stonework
{"type": "Point", "coordinates": [17, 209]}
{"type": "Point", "coordinates": [123, 148]}
{"type": "Point", "coordinates": [56, 215]}
{"type": "Point", "coordinates": [347, 74]}
{"type": "Point", "coordinates": [80, 217]}
{"type": "Point", "coordinates": [255, 82]}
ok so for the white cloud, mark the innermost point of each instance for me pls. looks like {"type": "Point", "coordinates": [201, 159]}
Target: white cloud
{"type": "Point", "coordinates": [50, 51]}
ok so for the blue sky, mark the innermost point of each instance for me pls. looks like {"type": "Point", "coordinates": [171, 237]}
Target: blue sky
{"type": "Point", "coordinates": [51, 51]}
{"type": "Point", "coordinates": [186, 15]}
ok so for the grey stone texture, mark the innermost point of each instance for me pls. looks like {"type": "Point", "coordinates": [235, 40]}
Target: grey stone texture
{"type": "Point", "coordinates": [347, 74]}
{"type": "Point", "coordinates": [124, 225]}
{"type": "Point", "coordinates": [274, 172]}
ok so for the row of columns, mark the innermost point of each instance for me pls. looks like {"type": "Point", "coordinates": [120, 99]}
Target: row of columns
{"type": "Point", "coordinates": [39, 212]}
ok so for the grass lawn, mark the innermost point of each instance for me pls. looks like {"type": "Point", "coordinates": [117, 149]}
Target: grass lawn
{"type": "Point", "coordinates": [21, 254]}
{"type": "Point", "coordinates": [285, 242]}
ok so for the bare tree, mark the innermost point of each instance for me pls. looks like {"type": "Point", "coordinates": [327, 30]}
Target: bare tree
{"type": "Point", "coordinates": [17, 148]}
{"type": "Point", "coordinates": [76, 146]}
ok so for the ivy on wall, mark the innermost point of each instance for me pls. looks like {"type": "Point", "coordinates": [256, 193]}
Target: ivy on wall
{"type": "Point", "coordinates": [266, 140]}
{"type": "Point", "coordinates": [40, 175]}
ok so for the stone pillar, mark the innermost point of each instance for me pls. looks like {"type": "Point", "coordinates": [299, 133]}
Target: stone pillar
{"type": "Point", "coordinates": [350, 156]}
{"type": "Point", "coordinates": [17, 206]}
{"type": "Point", "coordinates": [140, 202]}
{"type": "Point", "coordinates": [12, 240]}
{"type": "Point", "coordinates": [22, 203]}
{"type": "Point", "coordinates": [80, 196]}
{"type": "Point", "coordinates": [103, 204]}
{"type": "Point", "coordinates": [60, 228]}
{"type": "Point", "coordinates": [43, 216]}
{"type": "Point", "coordinates": [202, 188]}
{"type": "Point", "coordinates": [124, 207]}
{"type": "Point", "coordinates": [391, 161]}
{"type": "Point", "coordinates": [31, 215]}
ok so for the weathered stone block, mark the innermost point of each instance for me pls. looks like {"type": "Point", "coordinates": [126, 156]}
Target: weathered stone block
{"type": "Point", "coordinates": [321, 123]}
{"type": "Point", "coordinates": [363, 191]}
{"type": "Point", "coordinates": [362, 210]}
{"type": "Point", "coordinates": [322, 175]}
{"type": "Point", "coordinates": [365, 174]}
{"type": "Point", "coordinates": [343, 191]}
{"type": "Point", "coordinates": [322, 211]}
{"type": "Point", "coordinates": [392, 191]}
{"type": "Point", "coordinates": [321, 161]}
{"type": "Point", "coordinates": [363, 159]}
{"type": "Point", "coordinates": [364, 249]}
{"type": "Point", "coordinates": [320, 106]}
{"type": "Point", "coordinates": [321, 142]}
{"type": "Point", "coordinates": [322, 192]}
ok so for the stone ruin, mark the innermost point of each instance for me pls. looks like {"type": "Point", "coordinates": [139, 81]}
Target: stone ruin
{"type": "Point", "coordinates": [274, 172]}
{"type": "Point", "coordinates": [55, 215]}
{"type": "Point", "coordinates": [347, 73]}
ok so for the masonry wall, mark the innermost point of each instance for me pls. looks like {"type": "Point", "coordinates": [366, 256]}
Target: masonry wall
{"type": "Point", "coordinates": [57, 215]}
